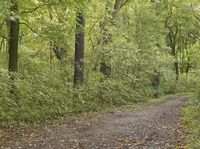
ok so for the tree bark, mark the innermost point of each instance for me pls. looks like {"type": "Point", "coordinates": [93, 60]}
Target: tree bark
{"type": "Point", "coordinates": [13, 39]}
{"type": "Point", "coordinates": [117, 7]}
{"type": "Point", "coordinates": [188, 63]}
{"type": "Point", "coordinates": [176, 65]}
{"type": "Point", "coordinates": [79, 49]}
{"type": "Point", "coordinates": [172, 36]}
{"type": "Point", "coordinates": [176, 70]}
{"type": "Point", "coordinates": [156, 83]}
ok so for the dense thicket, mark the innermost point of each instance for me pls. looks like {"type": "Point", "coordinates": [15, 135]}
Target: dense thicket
{"type": "Point", "coordinates": [77, 56]}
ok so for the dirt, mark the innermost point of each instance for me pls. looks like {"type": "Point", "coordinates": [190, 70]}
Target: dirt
{"type": "Point", "coordinates": [156, 126]}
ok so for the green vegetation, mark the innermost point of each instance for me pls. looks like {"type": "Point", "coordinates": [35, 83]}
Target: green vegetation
{"type": "Point", "coordinates": [65, 57]}
{"type": "Point", "coordinates": [192, 119]}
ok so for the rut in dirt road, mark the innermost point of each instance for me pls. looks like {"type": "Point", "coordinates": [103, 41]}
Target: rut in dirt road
{"type": "Point", "coordinates": [155, 126]}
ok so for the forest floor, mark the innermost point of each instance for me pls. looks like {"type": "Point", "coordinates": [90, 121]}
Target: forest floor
{"type": "Point", "coordinates": [154, 126]}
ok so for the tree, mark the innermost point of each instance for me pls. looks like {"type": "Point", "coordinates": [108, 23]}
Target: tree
{"type": "Point", "coordinates": [181, 32]}
{"type": "Point", "coordinates": [60, 52]}
{"type": "Point", "coordinates": [13, 38]}
{"type": "Point", "coordinates": [79, 48]}
{"type": "Point", "coordinates": [105, 67]}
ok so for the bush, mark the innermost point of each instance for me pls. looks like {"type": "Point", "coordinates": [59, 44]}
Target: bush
{"type": "Point", "coordinates": [187, 83]}
{"type": "Point", "coordinates": [192, 117]}
{"type": "Point", "coordinates": [45, 95]}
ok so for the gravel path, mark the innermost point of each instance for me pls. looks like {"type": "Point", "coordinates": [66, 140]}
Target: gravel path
{"type": "Point", "coordinates": [156, 126]}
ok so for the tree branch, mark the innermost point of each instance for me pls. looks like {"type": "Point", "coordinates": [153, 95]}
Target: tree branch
{"type": "Point", "coordinates": [125, 2]}
{"type": "Point", "coordinates": [23, 23]}
{"type": "Point", "coordinates": [3, 36]}
{"type": "Point", "coordinates": [36, 8]}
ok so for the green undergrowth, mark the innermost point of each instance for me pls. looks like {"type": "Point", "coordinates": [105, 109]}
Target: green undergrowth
{"type": "Point", "coordinates": [45, 96]}
{"type": "Point", "coordinates": [192, 119]}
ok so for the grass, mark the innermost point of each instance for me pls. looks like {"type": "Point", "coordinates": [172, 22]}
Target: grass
{"type": "Point", "coordinates": [97, 110]}
{"type": "Point", "coordinates": [192, 119]}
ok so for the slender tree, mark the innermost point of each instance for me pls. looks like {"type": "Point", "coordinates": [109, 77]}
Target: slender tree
{"type": "Point", "coordinates": [104, 66]}
{"type": "Point", "coordinates": [60, 52]}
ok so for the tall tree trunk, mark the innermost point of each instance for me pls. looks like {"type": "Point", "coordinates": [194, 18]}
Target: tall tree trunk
{"type": "Point", "coordinates": [79, 49]}
{"type": "Point", "coordinates": [13, 39]}
{"type": "Point", "coordinates": [176, 65]}
{"type": "Point", "coordinates": [173, 38]}
{"type": "Point", "coordinates": [14, 26]}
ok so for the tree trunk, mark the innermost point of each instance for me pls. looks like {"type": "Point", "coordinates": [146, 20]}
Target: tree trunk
{"type": "Point", "coordinates": [187, 68]}
{"type": "Point", "coordinates": [176, 70]}
{"type": "Point", "coordinates": [13, 40]}
{"type": "Point", "coordinates": [105, 68]}
{"type": "Point", "coordinates": [188, 63]}
{"type": "Point", "coordinates": [14, 26]}
{"type": "Point", "coordinates": [117, 7]}
{"type": "Point", "coordinates": [156, 84]}
{"type": "Point", "coordinates": [60, 52]}
{"type": "Point", "coordinates": [172, 39]}
{"type": "Point", "coordinates": [79, 49]}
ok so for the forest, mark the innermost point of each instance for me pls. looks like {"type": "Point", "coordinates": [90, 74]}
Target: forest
{"type": "Point", "coordinates": [63, 58]}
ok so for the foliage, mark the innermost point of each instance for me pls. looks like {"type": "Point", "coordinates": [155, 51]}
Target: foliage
{"type": "Point", "coordinates": [137, 48]}
{"type": "Point", "coordinates": [44, 96]}
{"type": "Point", "coordinates": [192, 117]}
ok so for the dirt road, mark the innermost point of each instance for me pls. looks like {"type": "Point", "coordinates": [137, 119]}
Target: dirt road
{"type": "Point", "coordinates": [156, 126]}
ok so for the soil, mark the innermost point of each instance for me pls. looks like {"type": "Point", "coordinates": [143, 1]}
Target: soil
{"type": "Point", "coordinates": [155, 126]}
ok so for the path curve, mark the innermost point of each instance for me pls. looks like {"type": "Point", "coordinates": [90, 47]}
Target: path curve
{"type": "Point", "coordinates": [156, 126]}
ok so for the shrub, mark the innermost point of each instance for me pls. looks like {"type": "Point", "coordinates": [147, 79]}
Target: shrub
{"type": "Point", "coordinates": [192, 117]}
